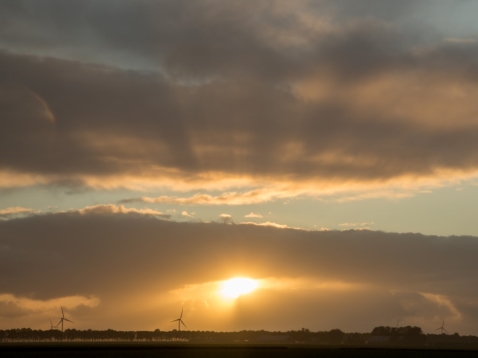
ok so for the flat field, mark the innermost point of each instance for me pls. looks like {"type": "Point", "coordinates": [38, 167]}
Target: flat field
{"type": "Point", "coordinates": [153, 350]}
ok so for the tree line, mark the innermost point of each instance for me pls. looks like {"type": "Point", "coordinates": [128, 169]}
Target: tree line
{"type": "Point", "coordinates": [334, 336]}
{"type": "Point", "coordinates": [399, 335]}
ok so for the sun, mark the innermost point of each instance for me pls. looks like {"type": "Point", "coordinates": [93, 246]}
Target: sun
{"type": "Point", "coordinates": [235, 287]}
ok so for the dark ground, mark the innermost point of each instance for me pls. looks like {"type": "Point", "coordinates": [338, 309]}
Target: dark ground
{"type": "Point", "coordinates": [107, 350]}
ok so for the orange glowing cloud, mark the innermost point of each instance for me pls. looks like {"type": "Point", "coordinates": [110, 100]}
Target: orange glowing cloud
{"type": "Point", "coordinates": [119, 209]}
{"type": "Point", "coordinates": [15, 211]}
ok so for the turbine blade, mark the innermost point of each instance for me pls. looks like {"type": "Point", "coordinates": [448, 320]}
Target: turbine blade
{"type": "Point", "coordinates": [182, 309]}
{"type": "Point", "coordinates": [445, 330]}
{"type": "Point", "coordinates": [66, 319]}
{"type": "Point", "coordinates": [51, 322]}
{"type": "Point", "coordinates": [63, 314]}
{"type": "Point", "coordinates": [183, 323]}
{"type": "Point", "coordinates": [175, 320]}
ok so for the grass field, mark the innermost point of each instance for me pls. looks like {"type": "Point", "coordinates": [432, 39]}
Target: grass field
{"type": "Point", "coordinates": [102, 350]}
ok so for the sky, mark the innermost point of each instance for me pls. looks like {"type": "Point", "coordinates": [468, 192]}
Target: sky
{"type": "Point", "coordinates": [150, 150]}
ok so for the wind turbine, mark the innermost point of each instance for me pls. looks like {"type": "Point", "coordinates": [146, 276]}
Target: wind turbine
{"type": "Point", "coordinates": [52, 327]}
{"type": "Point", "coordinates": [63, 319]}
{"type": "Point", "coordinates": [180, 321]}
{"type": "Point", "coordinates": [442, 328]}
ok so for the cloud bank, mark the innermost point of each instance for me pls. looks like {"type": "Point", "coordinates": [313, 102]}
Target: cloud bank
{"type": "Point", "coordinates": [133, 270]}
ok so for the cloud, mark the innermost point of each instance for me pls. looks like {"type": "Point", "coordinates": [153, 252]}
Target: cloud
{"type": "Point", "coordinates": [270, 223]}
{"type": "Point", "coordinates": [255, 196]}
{"type": "Point", "coordinates": [226, 218]}
{"type": "Point", "coordinates": [362, 225]}
{"type": "Point", "coordinates": [440, 300]}
{"type": "Point", "coordinates": [370, 107]}
{"type": "Point", "coordinates": [253, 215]}
{"type": "Point", "coordinates": [14, 212]}
{"type": "Point", "coordinates": [12, 306]}
{"type": "Point", "coordinates": [119, 209]}
{"type": "Point", "coordinates": [133, 263]}
{"type": "Point", "coordinates": [185, 213]}
{"type": "Point", "coordinates": [460, 40]}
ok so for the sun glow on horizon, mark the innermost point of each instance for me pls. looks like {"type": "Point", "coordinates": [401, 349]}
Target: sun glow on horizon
{"type": "Point", "coordinates": [235, 287]}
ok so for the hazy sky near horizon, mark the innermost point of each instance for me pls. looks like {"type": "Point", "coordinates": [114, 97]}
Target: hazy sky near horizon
{"type": "Point", "coordinates": [220, 126]}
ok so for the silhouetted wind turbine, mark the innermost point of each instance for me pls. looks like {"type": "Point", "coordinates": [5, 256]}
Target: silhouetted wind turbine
{"type": "Point", "coordinates": [63, 319]}
{"type": "Point", "coordinates": [52, 327]}
{"type": "Point", "coordinates": [442, 328]}
{"type": "Point", "coordinates": [180, 321]}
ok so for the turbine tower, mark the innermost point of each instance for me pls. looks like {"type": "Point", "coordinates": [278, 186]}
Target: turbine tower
{"type": "Point", "coordinates": [63, 319]}
{"type": "Point", "coordinates": [442, 328]}
{"type": "Point", "coordinates": [180, 321]}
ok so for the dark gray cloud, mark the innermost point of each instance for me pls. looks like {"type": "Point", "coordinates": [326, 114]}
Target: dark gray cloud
{"type": "Point", "coordinates": [119, 257]}
{"type": "Point", "coordinates": [251, 90]}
